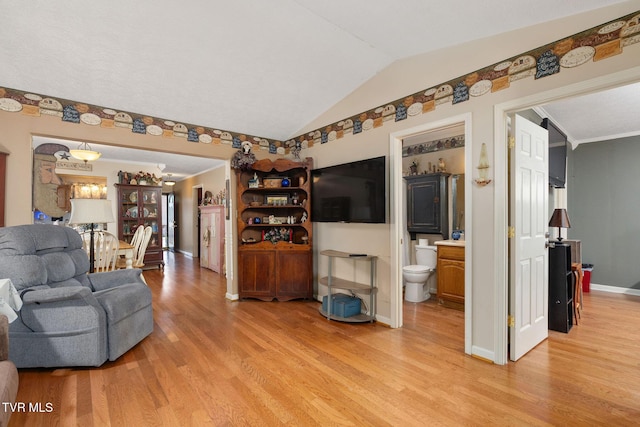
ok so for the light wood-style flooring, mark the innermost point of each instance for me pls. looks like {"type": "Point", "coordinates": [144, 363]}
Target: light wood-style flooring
{"type": "Point", "coordinates": [215, 362]}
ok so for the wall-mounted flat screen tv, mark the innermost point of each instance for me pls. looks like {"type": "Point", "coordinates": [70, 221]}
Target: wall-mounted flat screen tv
{"type": "Point", "coordinates": [350, 192]}
{"type": "Point", "coordinates": [557, 154]}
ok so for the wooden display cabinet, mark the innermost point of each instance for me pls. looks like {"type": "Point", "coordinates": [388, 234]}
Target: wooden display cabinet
{"type": "Point", "coordinates": [275, 256]}
{"type": "Point", "coordinates": [141, 205]}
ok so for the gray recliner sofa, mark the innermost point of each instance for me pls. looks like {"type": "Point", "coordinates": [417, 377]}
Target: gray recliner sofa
{"type": "Point", "coordinates": [69, 317]}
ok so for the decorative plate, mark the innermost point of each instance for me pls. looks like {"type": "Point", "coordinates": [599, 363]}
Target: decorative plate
{"type": "Point", "coordinates": [133, 197]}
{"type": "Point", "coordinates": [132, 212]}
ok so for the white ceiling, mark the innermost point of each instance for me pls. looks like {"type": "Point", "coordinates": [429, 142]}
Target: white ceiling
{"type": "Point", "coordinates": [264, 68]}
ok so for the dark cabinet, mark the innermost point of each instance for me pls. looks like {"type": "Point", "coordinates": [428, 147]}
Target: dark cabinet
{"type": "Point", "coordinates": [561, 283]}
{"type": "Point", "coordinates": [427, 204]}
{"type": "Point", "coordinates": [141, 205]}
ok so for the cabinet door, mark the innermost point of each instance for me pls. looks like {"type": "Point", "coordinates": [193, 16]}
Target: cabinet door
{"type": "Point", "coordinates": [256, 275]}
{"type": "Point", "coordinates": [424, 202]}
{"type": "Point", "coordinates": [560, 289]}
{"type": "Point", "coordinates": [205, 240]}
{"type": "Point", "coordinates": [294, 275]}
{"type": "Point", "coordinates": [217, 240]}
{"type": "Point", "coordinates": [427, 206]}
{"type": "Point", "coordinates": [451, 280]}
{"type": "Point", "coordinates": [150, 199]}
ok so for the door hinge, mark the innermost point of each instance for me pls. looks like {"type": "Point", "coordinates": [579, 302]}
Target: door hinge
{"type": "Point", "coordinates": [511, 232]}
{"type": "Point", "coordinates": [511, 321]}
{"type": "Point", "coordinates": [512, 142]}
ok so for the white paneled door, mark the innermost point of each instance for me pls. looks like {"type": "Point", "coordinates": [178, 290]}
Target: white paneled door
{"type": "Point", "coordinates": [528, 282]}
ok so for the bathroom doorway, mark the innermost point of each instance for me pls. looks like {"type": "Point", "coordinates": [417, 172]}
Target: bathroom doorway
{"type": "Point", "coordinates": [426, 145]}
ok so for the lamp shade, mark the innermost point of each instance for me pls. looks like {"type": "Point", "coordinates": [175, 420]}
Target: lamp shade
{"type": "Point", "coordinates": [560, 219]}
{"type": "Point", "coordinates": [90, 211]}
{"type": "Point", "coordinates": [84, 152]}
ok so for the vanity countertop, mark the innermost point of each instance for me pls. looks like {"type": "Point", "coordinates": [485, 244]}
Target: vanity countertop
{"type": "Point", "coordinates": [450, 243]}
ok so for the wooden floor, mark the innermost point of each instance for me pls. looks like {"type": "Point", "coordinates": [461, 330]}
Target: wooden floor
{"type": "Point", "coordinates": [211, 361]}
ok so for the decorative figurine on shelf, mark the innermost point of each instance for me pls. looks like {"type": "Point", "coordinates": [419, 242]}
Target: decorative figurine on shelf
{"type": "Point", "coordinates": [285, 182]}
{"type": "Point", "coordinates": [304, 217]}
{"type": "Point", "coordinates": [441, 165]}
{"type": "Point", "coordinates": [413, 169]}
{"type": "Point", "coordinates": [254, 182]}
{"type": "Point", "coordinates": [243, 158]}
{"type": "Point", "coordinates": [296, 151]}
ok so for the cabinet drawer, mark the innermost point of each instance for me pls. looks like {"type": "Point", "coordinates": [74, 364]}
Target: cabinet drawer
{"type": "Point", "coordinates": [451, 252]}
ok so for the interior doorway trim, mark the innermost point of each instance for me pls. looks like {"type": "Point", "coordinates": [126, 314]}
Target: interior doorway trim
{"type": "Point", "coordinates": [397, 210]}
{"type": "Point", "coordinates": [501, 198]}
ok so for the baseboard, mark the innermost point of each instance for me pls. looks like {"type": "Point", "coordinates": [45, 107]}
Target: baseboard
{"type": "Point", "coordinates": [232, 297]}
{"type": "Point", "coordinates": [614, 289]}
{"type": "Point", "coordinates": [189, 254]}
{"type": "Point", "coordinates": [483, 354]}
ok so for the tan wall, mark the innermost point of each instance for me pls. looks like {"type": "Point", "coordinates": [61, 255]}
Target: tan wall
{"type": "Point", "coordinates": [420, 73]}
{"type": "Point", "coordinates": [214, 181]}
{"type": "Point", "coordinates": [18, 128]}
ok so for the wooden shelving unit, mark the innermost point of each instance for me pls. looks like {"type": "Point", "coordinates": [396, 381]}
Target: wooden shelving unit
{"type": "Point", "coordinates": [275, 247]}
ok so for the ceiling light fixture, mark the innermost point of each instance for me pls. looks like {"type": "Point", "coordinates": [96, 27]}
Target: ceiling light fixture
{"type": "Point", "coordinates": [85, 153]}
{"type": "Point", "coordinates": [169, 181]}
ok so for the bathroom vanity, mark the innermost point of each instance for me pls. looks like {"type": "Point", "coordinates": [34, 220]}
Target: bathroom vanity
{"type": "Point", "coordinates": [450, 272]}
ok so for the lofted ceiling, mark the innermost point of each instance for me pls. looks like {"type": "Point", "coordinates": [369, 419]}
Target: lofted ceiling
{"type": "Point", "coordinates": [251, 66]}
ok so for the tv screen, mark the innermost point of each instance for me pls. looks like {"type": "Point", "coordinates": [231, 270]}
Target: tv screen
{"type": "Point", "coordinates": [557, 154]}
{"type": "Point", "coordinates": [350, 192]}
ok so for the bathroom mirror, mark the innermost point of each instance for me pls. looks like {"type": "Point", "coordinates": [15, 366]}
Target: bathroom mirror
{"type": "Point", "coordinates": [457, 196]}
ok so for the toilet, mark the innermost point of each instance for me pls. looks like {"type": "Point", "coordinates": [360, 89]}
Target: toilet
{"type": "Point", "coordinates": [419, 278]}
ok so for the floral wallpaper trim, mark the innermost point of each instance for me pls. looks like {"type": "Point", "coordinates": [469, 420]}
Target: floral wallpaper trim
{"type": "Point", "coordinates": [595, 44]}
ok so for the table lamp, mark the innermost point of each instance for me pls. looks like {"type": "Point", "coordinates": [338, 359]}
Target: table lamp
{"type": "Point", "coordinates": [560, 219]}
{"type": "Point", "coordinates": [91, 211]}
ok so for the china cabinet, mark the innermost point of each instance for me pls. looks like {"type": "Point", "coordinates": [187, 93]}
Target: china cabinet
{"type": "Point", "coordinates": [141, 205]}
{"type": "Point", "coordinates": [275, 256]}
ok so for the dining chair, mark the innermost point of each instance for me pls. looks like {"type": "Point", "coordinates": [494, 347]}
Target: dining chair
{"type": "Point", "coordinates": [140, 248]}
{"type": "Point", "coordinates": [136, 240]}
{"type": "Point", "coordinates": [106, 251]}
{"type": "Point", "coordinates": [138, 256]}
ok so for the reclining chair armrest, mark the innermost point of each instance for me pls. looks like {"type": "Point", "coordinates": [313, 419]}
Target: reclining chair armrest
{"type": "Point", "coordinates": [60, 310]}
{"type": "Point", "coordinates": [112, 279]}
{"type": "Point", "coordinates": [64, 293]}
